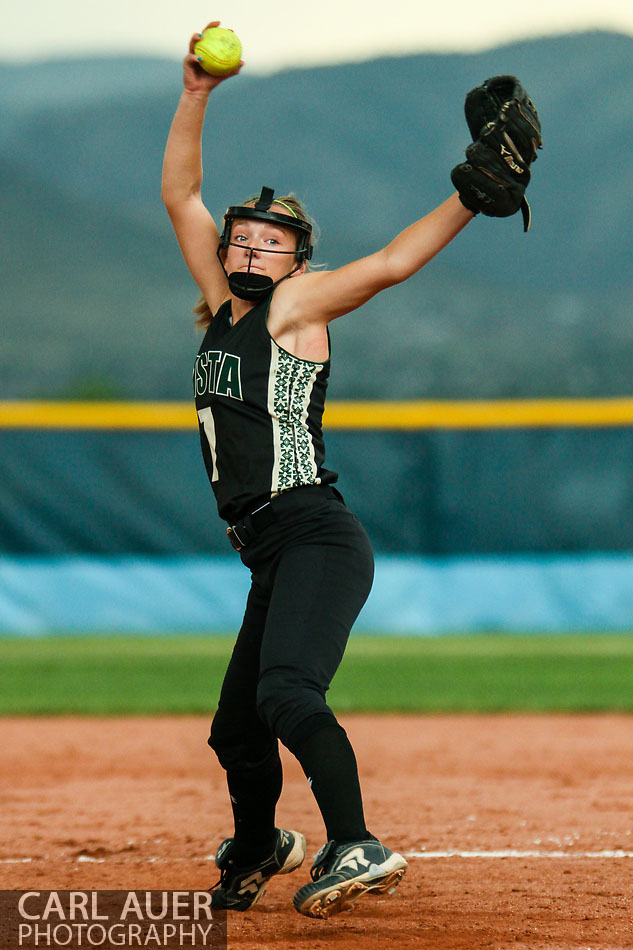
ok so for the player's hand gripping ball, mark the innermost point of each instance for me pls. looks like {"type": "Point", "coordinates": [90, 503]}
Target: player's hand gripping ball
{"type": "Point", "coordinates": [219, 51]}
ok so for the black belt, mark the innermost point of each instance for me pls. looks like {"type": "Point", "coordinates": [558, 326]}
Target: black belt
{"type": "Point", "coordinates": [243, 531]}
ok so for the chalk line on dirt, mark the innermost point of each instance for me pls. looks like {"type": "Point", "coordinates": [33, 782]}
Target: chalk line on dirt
{"type": "Point", "coordinates": [411, 855]}
{"type": "Point", "coordinates": [512, 853]}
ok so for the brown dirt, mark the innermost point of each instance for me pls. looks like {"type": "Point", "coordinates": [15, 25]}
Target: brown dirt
{"type": "Point", "coordinates": [141, 804]}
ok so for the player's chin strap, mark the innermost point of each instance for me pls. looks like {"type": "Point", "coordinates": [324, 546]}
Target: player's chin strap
{"type": "Point", "coordinates": [249, 286]}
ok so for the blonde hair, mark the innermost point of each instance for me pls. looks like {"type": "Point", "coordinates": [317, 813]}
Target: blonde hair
{"type": "Point", "coordinates": [296, 209]}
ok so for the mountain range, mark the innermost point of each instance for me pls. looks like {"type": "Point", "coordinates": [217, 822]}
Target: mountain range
{"type": "Point", "coordinates": [95, 300]}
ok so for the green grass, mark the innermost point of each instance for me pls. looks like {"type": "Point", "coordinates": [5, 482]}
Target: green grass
{"type": "Point", "coordinates": [182, 674]}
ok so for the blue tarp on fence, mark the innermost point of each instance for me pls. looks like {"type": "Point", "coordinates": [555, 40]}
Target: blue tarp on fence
{"type": "Point", "coordinates": [411, 595]}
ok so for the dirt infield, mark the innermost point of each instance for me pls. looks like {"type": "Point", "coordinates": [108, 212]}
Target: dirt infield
{"type": "Point", "coordinates": [518, 829]}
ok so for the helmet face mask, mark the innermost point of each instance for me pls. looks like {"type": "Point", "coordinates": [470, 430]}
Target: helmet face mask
{"type": "Point", "coordinates": [245, 284]}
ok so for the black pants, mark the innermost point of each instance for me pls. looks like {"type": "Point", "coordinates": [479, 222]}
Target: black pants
{"type": "Point", "coordinates": [312, 570]}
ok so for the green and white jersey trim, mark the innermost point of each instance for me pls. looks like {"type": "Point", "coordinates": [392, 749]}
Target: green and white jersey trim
{"type": "Point", "coordinates": [290, 385]}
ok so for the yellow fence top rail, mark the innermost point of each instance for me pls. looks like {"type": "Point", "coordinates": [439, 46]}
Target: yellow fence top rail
{"type": "Point", "coordinates": [483, 414]}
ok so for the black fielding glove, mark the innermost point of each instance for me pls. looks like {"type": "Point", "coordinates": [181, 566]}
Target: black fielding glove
{"type": "Point", "coordinates": [506, 130]}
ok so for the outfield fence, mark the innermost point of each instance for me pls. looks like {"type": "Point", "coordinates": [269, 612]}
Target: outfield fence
{"type": "Point", "coordinates": [483, 515]}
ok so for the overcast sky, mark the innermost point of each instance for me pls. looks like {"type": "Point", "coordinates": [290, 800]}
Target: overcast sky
{"type": "Point", "coordinates": [279, 33]}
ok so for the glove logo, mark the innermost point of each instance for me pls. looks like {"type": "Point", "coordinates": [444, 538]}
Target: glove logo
{"type": "Point", "coordinates": [506, 155]}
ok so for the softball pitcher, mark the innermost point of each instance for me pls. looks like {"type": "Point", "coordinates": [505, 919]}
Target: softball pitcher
{"type": "Point", "coordinates": [260, 381]}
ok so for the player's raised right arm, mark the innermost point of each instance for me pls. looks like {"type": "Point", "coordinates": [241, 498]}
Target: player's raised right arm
{"type": "Point", "coordinates": [182, 180]}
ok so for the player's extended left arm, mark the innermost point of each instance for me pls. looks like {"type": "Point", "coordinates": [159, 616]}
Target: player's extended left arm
{"type": "Point", "coordinates": [421, 241]}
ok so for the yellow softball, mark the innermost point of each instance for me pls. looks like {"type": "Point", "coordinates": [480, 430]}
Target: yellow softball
{"type": "Point", "coordinates": [219, 51]}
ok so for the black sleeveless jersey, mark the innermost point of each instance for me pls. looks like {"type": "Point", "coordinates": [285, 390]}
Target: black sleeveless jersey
{"type": "Point", "coordinates": [259, 410]}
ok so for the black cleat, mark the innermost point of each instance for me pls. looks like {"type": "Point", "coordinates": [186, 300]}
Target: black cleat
{"type": "Point", "coordinates": [241, 887]}
{"type": "Point", "coordinates": [342, 873]}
